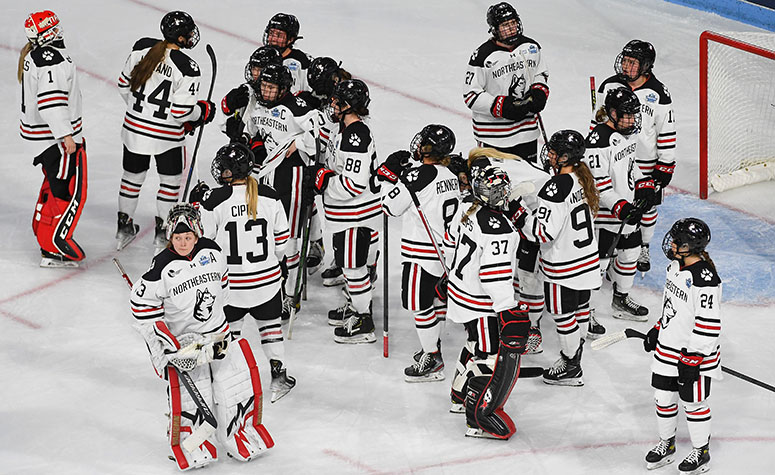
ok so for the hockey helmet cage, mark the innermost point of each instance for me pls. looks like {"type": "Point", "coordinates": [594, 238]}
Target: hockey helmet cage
{"type": "Point", "coordinates": [260, 58]}
{"type": "Point", "coordinates": [491, 186]}
{"type": "Point", "coordinates": [353, 93]}
{"type": "Point", "coordinates": [184, 217]}
{"type": "Point", "coordinates": [690, 232]}
{"type": "Point", "coordinates": [623, 101]}
{"type": "Point", "coordinates": [279, 75]}
{"type": "Point", "coordinates": [176, 24]}
{"type": "Point", "coordinates": [568, 146]}
{"type": "Point", "coordinates": [42, 28]}
{"type": "Point", "coordinates": [232, 162]}
{"type": "Point", "coordinates": [283, 22]}
{"type": "Point", "coordinates": [643, 51]}
{"type": "Point", "coordinates": [433, 140]}
{"type": "Point", "coordinates": [320, 75]}
{"type": "Point", "coordinates": [500, 13]}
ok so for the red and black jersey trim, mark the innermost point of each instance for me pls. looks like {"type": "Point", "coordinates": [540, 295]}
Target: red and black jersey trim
{"type": "Point", "coordinates": [561, 270]}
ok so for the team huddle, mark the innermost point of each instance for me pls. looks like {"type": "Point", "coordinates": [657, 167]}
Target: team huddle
{"type": "Point", "coordinates": [493, 241]}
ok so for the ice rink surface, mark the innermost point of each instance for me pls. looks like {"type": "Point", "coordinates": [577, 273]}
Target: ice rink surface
{"type": "Point", "coordinates": [80, 397]}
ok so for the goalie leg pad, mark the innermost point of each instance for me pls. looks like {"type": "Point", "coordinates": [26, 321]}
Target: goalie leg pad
{"type": "Point", "coordinates": [239, 403]}
{"type": "Point", "coordinates": [487, 395]}
{"type": "Point", "coordinates": [185, 418]}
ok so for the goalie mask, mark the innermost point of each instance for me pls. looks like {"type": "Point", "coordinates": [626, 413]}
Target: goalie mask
{"type": "Point", "coordinates": [183, 218]}
{"type": "Point", "coordinates": [42, 28]}
{"type": "Point", "coordinates": [566, 147]}
{"type": "Point", "coordinates": [491, 186]}
{"type": "Point", "coordinates": [232, 162]}
{"type": "Point", "coordinates": [690, 235]}
{"type": "Point", "coordinates": [434, 140]}
{"type": "Point", "coordinates": [499, 14]}
{"type": "Point", "coordinates": [643, 52]}
{"type": "Point", "coordinates": [176, 24]}
{"type": "Point", "coordinates": [623, 109]}
{"type": "Point", "coordinates": [260, 58]}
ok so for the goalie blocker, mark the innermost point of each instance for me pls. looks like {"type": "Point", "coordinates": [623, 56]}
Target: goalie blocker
{"type": "Point", "coordinates": [487, 395]}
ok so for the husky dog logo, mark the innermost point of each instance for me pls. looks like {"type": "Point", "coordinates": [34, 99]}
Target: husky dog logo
{"type": "Point", "coordinates": [203, 309]}
{"type": "Point", "coordinates": [517, 87]}
{"type": "Point", "coordinates": [668, 312]}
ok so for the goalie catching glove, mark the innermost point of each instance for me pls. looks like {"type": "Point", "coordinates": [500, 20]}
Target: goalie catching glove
{"type": "Point", "coordinates": [196, 350]}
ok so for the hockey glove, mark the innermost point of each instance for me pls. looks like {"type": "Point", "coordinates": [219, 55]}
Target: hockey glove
{"type": "Point", "coordinates": [662, 174]}
{"type": "Point", "coordinates": [394, 165]}
{"type": "Point", "coordinates": [625, 211]}
{"type": "Point", "coordinates": [516, 213]}
{"type": "Point", "coordinates": [539, 94]}
{"type": "Point", "coordinates": [206, 115]}
{"type": "Point", "coordinates": [234, 128]}
{"type": "Point", "coordinates": [236, 98]}
{"type": "Point", "coordinates": [688, 367]}
{"type": "Point", "coordinates": [195, 350]}
{"type": "Point", "coordinates": [650, 342]}
{"type": "Point", "coordinates": [645, 191]}
{"type": "Point", "coordinates": [198, 192]}
{"type": "Point", "coordinates": [259, 151]}
{"type": "Point", "coordinates": [317, 176]}
{"type": "Point", "coordinates": [515, 327]}
{"type": "Point", "coordinates": [441, 287]}
{"type": "Point", "coordinates": [507, 107]}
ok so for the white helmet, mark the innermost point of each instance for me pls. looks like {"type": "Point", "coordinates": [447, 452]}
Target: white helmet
{"type": "Point", "coordinates": [184, 217]}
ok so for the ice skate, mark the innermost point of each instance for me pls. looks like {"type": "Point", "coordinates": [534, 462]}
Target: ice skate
{"type": "Point", "coordinates": [315, 256]}
{"type": "Point", "coordinates": [644, 260]}
{"type": "Point", "coordinates": [50, 259]}
{"type": "Point", "coordinates": [281, 382]}
{"type": "Point", "coordinates": [457, 408]}
{"type": "Point", "coordinates": [160, 236]}
{"type": "Point", "coordinates": [662, 454]}
{"type": "Point", "coordinates": [595, 330]}
{"type": "Point", "coordinates": [625, 308]}
{"type": "Point", "coordinates": [477, 432]}
{"type": "Point", "coordinates": [337, 317]}
{"type": "Point", "coordinates": [418, 354]}
{"type": "Point", "coordinates": [698, 461]}
{"type": "Point", "coordinates": [430, 367]}
{"type": "Point", "coordinates": [126, 232]}
{"type": "Point", "coordinates": [333, 276]}
{"type": "Point", "coordinates": [358, 328]}
{"type": "Point", "coordinates": [566, 371]}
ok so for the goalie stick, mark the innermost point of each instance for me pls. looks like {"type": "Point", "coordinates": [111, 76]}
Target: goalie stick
{"type": "Point", "coordinates": [211, 54]}
{"type": "Point", "coordinates": [609, 340]}
{"type": "Point", "coordinates": [210, 423]}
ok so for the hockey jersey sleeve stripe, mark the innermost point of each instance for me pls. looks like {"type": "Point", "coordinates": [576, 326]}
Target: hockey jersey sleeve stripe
{"type": "Point", "coordinates": [276, 271]}
{"type": "Point", "coordinates": [476, 305]}
{"type": "Point", "coordinates": [353, 213]}
{"type": "Point", "coordinates": [52, 92]}
{"type": "Point", "coordinates": [471, 98]}
{"type": "Point", "coordinates": [163, 332]}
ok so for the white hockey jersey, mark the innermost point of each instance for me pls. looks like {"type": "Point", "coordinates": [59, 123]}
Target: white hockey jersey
{"type": "Point", "coordinates": [657, 137]}
{"type": "Point", "coordinates": [51, 96]}
{"type": "Point", "coordinates": [563, 224]}
{"type": "Point", "coordinates": [437, 191]}
{"type": "Point", "coordinates": [352, 198]}
{"type": "Point", "coordinates": [482, 268]}
{"type": "Point", "coordinates": [298, 63]}
{"type": "Point", "coordinates": [291, 117]}
{"type": "Point", "coordinates": [253, 247]}
{"type": "Point", "coordinates": [495, 71]}
{"type": "Point", "coordinates": [155, 113]}
{"type": "Point", "coordinates": [611, 158]}
{"type": "Point", "coordinates": [521, 171]}
{"type": "Point", "coordinates": [691, 319]}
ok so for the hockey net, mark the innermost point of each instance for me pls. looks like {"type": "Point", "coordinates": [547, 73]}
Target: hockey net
{"type": "Point", "coordinates": [737, 109]}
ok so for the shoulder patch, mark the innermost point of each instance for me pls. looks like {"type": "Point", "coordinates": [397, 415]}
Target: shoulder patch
{"type": "Point", "coordinates": [159, 262]}
{"type": "Point", "coordinates": [310, 99]}
{"type": "Point", "coordinates": [300, 56]}
{"type": "Point", "coordinates": [703, 275]}
{"type": "Point", "coordinates": [296, 104]}
{"type": "Point", "coordinates": [268, 191]}
{"type": "Point", "coordinates": [205, 243]}
{"type": "Point", "coordinates": [417, 178]}
{"type": "Point", "coordinates": [185, 64]}
{"type": "Point", "coordinates": [144, 43]}
{"type": "Point", "coordinates": [659, 89]}
{"type": "Point", "coordinates": [481, 53]}
{"type": "Point", "coordinates": [493, 222]}
{"type": "Point", "coordinates": [599, 137]}
{"type": "Point", "coordinates": [216, 196]}
{"type": "Point", "coordinates": [356, 137]}
{"type": "Point", "coordinates": [615, 82]}
{"type": "Point", "coordinates": [557, 188]}
{"type": "Point", "coordinates": [46, 56]}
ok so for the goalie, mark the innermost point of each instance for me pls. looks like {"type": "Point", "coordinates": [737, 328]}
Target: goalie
{"type": "Point", "coordinates": [178, 309]}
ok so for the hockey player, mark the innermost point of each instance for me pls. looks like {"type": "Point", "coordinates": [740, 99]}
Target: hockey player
{"type": "Point", "coordinates": [436, 188]}
{"type": "Point", "coordinates": [243, 97]}
{"type": "Point", "coordinates": [178, 309]}
{"type": "Point", "coordinates": [481, 297]}
{"type": "Point", "coordinates": [685, 342]}
{"type": "Point", "coordinates": [506, 86]}
{"type": "Point", "coordinates": [563, 224]}
{"type": "Point", "coordinates": [51, 116]}
{"type": "Point", "coordinates": [624, 193]}
{"type": "Point", "coordinates": [655, 154]}
{"type": "Point", "coordinates": [280, 117]}
{"type": "Point", "coordinates": [160, 86]}
{"type": "Point", "coordinates": [352, 207]}
{"type": "Point", "coordinates": [281, 33]}
{"type": "Point", "coordinates": [248, 221]}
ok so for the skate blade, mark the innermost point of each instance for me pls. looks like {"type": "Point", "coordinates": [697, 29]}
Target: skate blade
{"type": "Point", "coordinates": [697, 471]}
{"type": "Point", "coordinates": [576, 382]}
{"type": "Point", "coordinates": [629, 317]}
{"type": "Point", "coordinates": [332, 282]}
{"type": "Point", "coordinates": [311, 270]}
{"type": "Point", "coordinates": [335, 323]}
{"type": "Point", "coordinates": [479, 433]}
{"type": "Point", "coordinates": [654, 465]}
{"type": "Point", "coordinates": [279, 393]}
{"type": "Point", "coordinates": [353, 340]}
{"type": "Point", "coordinates": [47, 262]}
{"type": "Point", "coordinates": [428, 378]}
{"type": "Point", "coordinates": [457, 408]}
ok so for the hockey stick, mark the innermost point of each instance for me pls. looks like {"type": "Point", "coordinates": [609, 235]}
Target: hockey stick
{"type": "Point", "coordinates": [592, 92]}
{"type": "Point", "coordinates": [541, 127]}
{"type": "Point", "coordinates": [641, 204]}
{"type": "Point", "coordinates": [206, 429]}
{"type": "Point", "coordinates": [277, 156]}
{"type": "Point", "coordinates": [385, 268]}
{"type": "Point", "coordinates": [609, 340]}
{"type": "Point", "coordinates": [211, 54]}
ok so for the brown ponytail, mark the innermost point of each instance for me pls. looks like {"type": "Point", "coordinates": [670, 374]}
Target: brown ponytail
{"type": "Point", "coordinates": [587, 182]}
{"type": "Point", "coordinates": [143, 69]}
{"type": "Point", "coordinates": [706, 257]}
{"type": "Point", "coordinates": [600, 116]}
{"type": "Point", "coordinates": [471, 210]}
{"type": "Point", "coordinates": [23, 54]}
{"type": "Point", "coordinates": [251, 196]}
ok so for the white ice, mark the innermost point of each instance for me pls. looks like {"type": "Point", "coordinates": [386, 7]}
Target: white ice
{"type": "Point", "coordinates": [79, 395]}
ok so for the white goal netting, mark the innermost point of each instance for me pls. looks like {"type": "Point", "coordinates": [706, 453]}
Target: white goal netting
{"type": "Point", "coordinates": [741, 111]}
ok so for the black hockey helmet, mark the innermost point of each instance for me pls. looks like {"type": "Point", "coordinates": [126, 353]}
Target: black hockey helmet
{"type": "Point", "coordinates": [320, 75]}
{"type": "Point", "coordinates": [500, 13]}
{"type": "Point", "coordinates": [278, 75]}
{"type": "Point", "coordinates": [491, 186]}
{"type": "Point", "coordinates": [690, 232]}
{"type": "Point", "coordinates": [232, 162]}
{"type": "Point", "coordinates": [459, 166]}
{"type": "Point", "coordinates": [176, 24]}
{"type": "Point", "coordinates": [643, 51]}
{"type": "Point", "coordinates": [183, 218]}
{"type": "Point", "coordinates": [567, 145]}
{"type": "Point", "coordinates": [260, 59]}
{"type": "Point", "coordinates": [623, 101]}
{"type": "Point", "coordinates": [283, 22]}
{"type": "Point", "coordinates": [434, 140]}
{"type": "Point", "coordinates": [353, 93]}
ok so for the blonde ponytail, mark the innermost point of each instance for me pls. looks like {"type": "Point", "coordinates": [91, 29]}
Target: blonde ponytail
{"type": "Point", "coordinates": [23, 54]}
{"type": "Point", "coordinates": [251, 196]}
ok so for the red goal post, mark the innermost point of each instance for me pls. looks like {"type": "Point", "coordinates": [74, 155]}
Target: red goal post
{"type": "Point", "coordinates": [737, 109]}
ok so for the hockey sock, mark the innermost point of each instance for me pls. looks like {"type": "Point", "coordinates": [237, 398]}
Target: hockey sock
{"type": "Point", "coordinates": [623, 268]}
{"type": "Point", "coordinates": [698, 421]}
{"type": "Point", "coordinates": [130, 191]}
{"type": "Point", "coordinates": [568, 332]}
{"type": "Point", "coordinates": [582, 318]}
{"type": "Point", "coordinates": [169, 188]}
{"type": "Point", "coordinates": [648, 225]}
{"type": "Point", "coordinates": [271, 332]}
{"type": "Point", "coordinates": [667, 412]}
{"type": "Point", "coordinates": [428, 328]}
{"type": "Point", "coordinates": [292, 262]}
{"type": "Point", "coordinates": [358, 282]}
